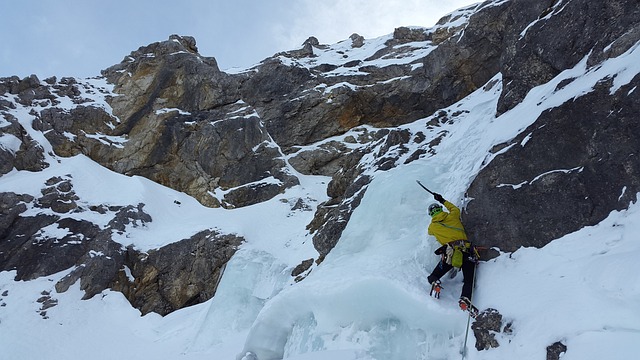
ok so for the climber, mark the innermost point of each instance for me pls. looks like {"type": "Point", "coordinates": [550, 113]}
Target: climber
{"type": "Point", "coordinates": [456, 250]}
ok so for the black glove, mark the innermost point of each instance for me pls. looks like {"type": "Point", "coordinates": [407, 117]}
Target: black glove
{"type": "Point", "coordinates": [438, 198]}
{"type": "Point", "coordinates": [441, 250]}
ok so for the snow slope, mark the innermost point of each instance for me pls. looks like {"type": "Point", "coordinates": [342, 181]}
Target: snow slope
{"type": "Point", "coordinates": [369, 298]}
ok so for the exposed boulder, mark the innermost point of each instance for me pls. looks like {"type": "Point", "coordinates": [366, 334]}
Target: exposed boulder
{"type": "Point", "coordinates": [172, 277]}
{"type": "Point", "coordinates": [58, 196]}
{"type": "Point", "coordinates": [302, 267]}
{"type": "Point", "coordinates": [357, 41]}
{"type": "Point", "coordinates": [555, 350]}
{"type": "Point", "coordinates": [81, 130]}
{"type": "Point", "coordinates": [126, 216]}
{"type": "Point", "coordinates": [486, 326]}
{"type": "Point", "coordinates": [47, 301]}
{"type": "Point", "coordinates": [19, 150]}
{"type": "Point", "coordinates": [331, 217]}
{"type": "Point", "coordinates": [178, 275]}
{"type": "Point", "coordinates": [405, 34]}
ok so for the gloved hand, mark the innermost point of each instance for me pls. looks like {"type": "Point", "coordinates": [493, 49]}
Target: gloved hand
{"type": "Point", "coordinates": [441, 250]}
{"type": "Point", "coordinates": [438, 198]}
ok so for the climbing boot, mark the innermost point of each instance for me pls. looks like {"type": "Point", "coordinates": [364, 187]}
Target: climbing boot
{"type": "Point", "coordinates": [436, 286]}
{"type": "Point", "coordinates": [466, 305]}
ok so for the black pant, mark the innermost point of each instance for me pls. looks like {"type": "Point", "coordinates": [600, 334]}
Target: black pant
{"type": "Point", "coordinates": [468, 268]}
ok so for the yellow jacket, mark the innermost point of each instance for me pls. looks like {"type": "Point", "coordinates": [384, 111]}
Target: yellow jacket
{"type": "Point", "coordinates": [447, 227]}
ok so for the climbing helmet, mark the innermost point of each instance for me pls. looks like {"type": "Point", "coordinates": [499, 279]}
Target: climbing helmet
{"type": "Point", "coordinates": [434, 209]}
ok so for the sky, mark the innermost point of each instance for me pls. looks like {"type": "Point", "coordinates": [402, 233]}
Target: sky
{"type": "Point", "coordinates": [81, 37]}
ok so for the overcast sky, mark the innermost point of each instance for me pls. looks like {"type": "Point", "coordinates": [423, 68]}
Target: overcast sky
{"type": "Point", "coordinates": [81, 37]}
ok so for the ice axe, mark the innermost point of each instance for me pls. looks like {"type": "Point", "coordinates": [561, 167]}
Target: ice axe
{"type": "Point", "coordinates": [436, 196]}
{"type": "Point", "coordinates": [424, 187]}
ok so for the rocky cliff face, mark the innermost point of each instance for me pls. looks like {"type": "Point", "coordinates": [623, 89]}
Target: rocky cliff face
{"type": "Point", "coordinates": [576, 163]}
{"type": "Point", "coordinates": [163, 280]}
{"type": "Point", "coordinates": [232, 140]}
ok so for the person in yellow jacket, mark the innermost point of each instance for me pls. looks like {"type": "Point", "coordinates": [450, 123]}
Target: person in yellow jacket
{"type": "Point", "coordinates": [456, 250]}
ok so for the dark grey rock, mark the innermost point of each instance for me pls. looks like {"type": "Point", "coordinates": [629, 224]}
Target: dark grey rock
{"type": "Point", "coordinates": [325, 160]}
{"type": "Point", "coordinates": [405, 34]}
{"type": "Point", "coordinates": [129, 215]}
{"type": "Point", "coordinates": [579, 165]}
{"type": "Point", "coordinates": [487, 324]}
{"type": "Point", "coordinates": [177, 275]}
{"type": "Point", "coordinates": [302, 267]}
{"type": "Point", "coordinates": [58, 196]}
{"type": "Point", "coordinates": [589, 27]}
{"type": "Point", "coordinates": [33, 255]}
{"type": "Point", "coordinates": [555, 350]}
{"type": "Point", "coordinates": [331, 218]}
{"type": "Point", "coordinates": [11, 206]}
{"type": "Point", "coordinates": [29, 156]}
{"type": "Point", "coordinates": [357, 41]}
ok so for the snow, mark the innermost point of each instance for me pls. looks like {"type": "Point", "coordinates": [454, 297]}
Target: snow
{"type": "Point", "coordinates": [538, 177]}
{"type": "Point", "coordinates": [369, 298]}
{"type": "Point", "coordinates": [169, 110]}
{"type": "Point", "coordinates": [343, 52]}
{"type": "Point", "coordinates": [10, 143]}
{"type": "Point", "coordinates": [115, 141]}
{"type": "Point", "coordinates": [52, 232]}
{"type": "Point", "coordinates": [551, 11]}
{"type": "Point", "coordinates": [584, 286]}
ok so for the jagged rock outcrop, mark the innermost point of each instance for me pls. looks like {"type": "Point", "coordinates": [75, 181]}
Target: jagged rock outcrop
{"type": "Point", "coordinates": [174, 276]}
{"type": "Point", "coordinates": [181, 274]}
{"type": "Point", "coordinates": [176, 119]}
{"type": "Point", "coordinates": [599, 30]}
{"type": "Point", "coordinates": [187, 128]}
{"type": "Point", "coordinates": [487, 324]}
{"type": "Point", "coordinates": [555, 350]}
{"type": "Point", "coordinates": [578, 162]}
{"type": "Point", "coordinates": [565, 177]}
{"type": "Point", "coordinates": [20, 150]}
{"type": "Point", "coordinates": [24, 153]}
{"type": "Point", "coordinates": [28, 247]}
